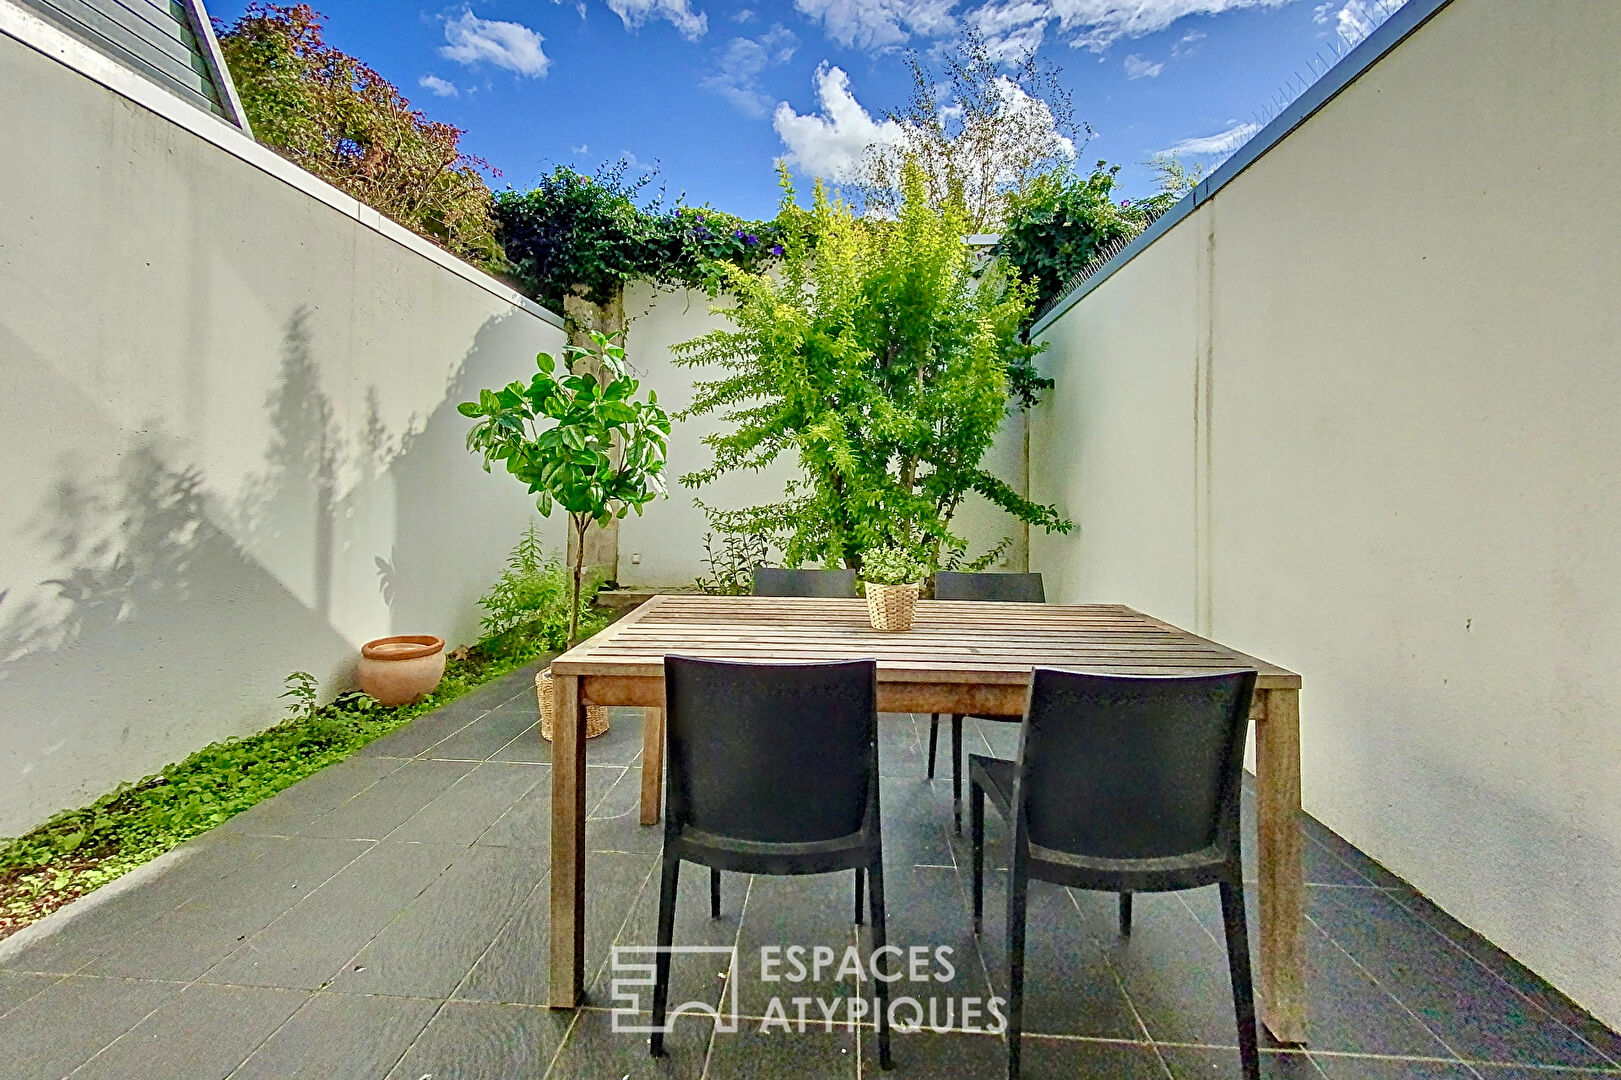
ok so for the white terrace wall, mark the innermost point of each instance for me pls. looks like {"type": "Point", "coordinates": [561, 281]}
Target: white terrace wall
{"type": "Point", "coordinates": [1360, 414]}
{"type": "Point", "coordinates": [228, 428]}
{"type": "Point", "coordinates": [668, 539]}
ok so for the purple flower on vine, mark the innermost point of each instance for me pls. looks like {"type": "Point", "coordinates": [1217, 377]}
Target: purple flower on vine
{"type": "Point", "coordinates": [738, 233]}
{"type": "Point", "coordinates": [776, 249]}
{"type": "Point", "coordinates": [1125, 204]}
{"type": "Point", "coordinates": [750, 238]}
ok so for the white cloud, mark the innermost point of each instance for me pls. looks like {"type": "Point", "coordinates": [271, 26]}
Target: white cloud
{"type": "Point", "coordinates": [471, 40]}
{"type": "Point", "coordinates": [1138, 68]}
{"type": "Point", "coordinates": [436, 86]}
{"type": "Point", "coordinates": [746, 15]}
{"type": "Point", "coordinates": [739, 68]}
{"type": "Point", "coordinates": [875, 24]}
{"type": "Point", "coordinates": [1193, 35]}
{"type": "Point", "coordinates": [1219, 144]}
{"type": "Point", "coordinates": [831, 142]}
{"type": "Point", "coordinates": [1012, 28]}
{"type": "Point", "coordinates": [1097, 24]}
{"type": "Point", "coordinates": [1355, 19]}
{"type": "Point", "coordinates": [581, 150]}
{"type": "Point", "coordinates": [678, 13]}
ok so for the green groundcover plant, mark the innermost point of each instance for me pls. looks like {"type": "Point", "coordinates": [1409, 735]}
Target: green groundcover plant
{"type": "Point", "coordinates": [78, 851]}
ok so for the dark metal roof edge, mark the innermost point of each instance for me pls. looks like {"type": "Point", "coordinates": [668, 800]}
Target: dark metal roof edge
{"type": "Point", "coordinates": [1368, 52]}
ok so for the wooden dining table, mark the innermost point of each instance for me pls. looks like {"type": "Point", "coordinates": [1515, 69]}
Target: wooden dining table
{"type": "Point", "coordinates": [959, 657]}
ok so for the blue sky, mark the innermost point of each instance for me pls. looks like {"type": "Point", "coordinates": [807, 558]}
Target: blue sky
{"type": "Point", "coordinates": [715, 91]}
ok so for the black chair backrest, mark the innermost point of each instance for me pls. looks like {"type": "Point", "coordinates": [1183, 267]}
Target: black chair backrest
{"type": "Point", "coordinates": [1019, 588]}
{"type": "Point", "coordinates": [773, 753]}
{"type": "Point", "coordinates": [1133, 767]}
{"type": "Point", "coordinates": [775, 581]}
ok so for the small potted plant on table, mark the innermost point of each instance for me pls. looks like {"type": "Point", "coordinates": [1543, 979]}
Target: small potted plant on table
{"type": "Point", "coordinates": [581, 442]}
{"type": "Point", "coordinates": [892, 578]}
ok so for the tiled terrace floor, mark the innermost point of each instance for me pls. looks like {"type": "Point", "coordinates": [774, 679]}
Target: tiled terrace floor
{"type": "Point", "coordinates": [388, 918]}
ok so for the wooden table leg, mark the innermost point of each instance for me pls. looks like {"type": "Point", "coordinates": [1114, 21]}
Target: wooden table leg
{"type": "Point", "coordinates": [567, 984]}
{"type": "Point", "coordinates": [1282, 982]}
{"type": "Point", "coordinates": [652, 763]}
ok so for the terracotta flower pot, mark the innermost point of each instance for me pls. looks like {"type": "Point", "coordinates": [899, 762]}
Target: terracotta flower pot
{"type": "Point", "coordinates": [399, 670]}
{"type": "Point", "coordinates": [890, 607]}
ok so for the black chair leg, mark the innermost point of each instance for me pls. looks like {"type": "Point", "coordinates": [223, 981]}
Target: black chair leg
{"type": "Point", "coordinates": [1238, 967]}
{"type": "Point", "coordinates": [661, 962]}
{"type": "Point", "coordinates": [956, 771]}
{"type": "Point", "coordinates": [714, 893]}
{"type": "Point", "coordinates": [860, 903]}
{"type": "Point", "coordinates": [1125, 914]}
{"type": "Point", "coordinates": [976, 834]}
{"type": "Point", "coordinates": [881, 961]}
{"type": "Point", "coordinates": [1018, 885]}
{"type": "Point", "coordinates": [934, 737]}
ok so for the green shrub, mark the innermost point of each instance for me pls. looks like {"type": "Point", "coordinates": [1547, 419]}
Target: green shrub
{"type": "Point", "coordinates": [77, 851]}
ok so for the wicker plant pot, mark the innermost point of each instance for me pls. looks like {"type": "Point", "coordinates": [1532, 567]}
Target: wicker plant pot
{"type": "Point", "coordinates": [596, 716]}
{"type": "Point", "coordinates": [891, 606]}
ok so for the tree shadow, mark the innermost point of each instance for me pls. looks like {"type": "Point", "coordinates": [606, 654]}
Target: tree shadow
{"type": "Point", "coordinates": [160, 634]}
{"type": "Point", "coordinates": [455, 524]}
{"type": "Point", "coordinates": [165, 616]}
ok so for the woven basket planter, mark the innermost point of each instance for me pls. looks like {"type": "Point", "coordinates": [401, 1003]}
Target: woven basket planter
{"type": "Point", "coordinates": [596, 716]}
{"type": "Point", "coordinates": [891, 606]}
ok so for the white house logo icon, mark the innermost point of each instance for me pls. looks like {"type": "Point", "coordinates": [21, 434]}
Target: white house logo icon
{"type": "Point", "coordinates": [632, 988]}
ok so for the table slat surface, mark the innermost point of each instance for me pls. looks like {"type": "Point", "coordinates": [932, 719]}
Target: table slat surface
{"type": "Point", "coordinates": [950, 640]}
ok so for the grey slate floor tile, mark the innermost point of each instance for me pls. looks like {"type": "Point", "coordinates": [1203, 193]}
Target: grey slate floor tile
{"type": "Point", "coordinates": [528, 823]}
{"type": "Point", "coordinates": [381, 808]}
{"type": "Point", "coordinates": [333, 953]}
{"type": "Point", "coordinates": [751, 1053]}
{"type": "Point", "coordinates": [311, 943]}
{"type": "Point", "coordinates": [485, 736]}
{"type": "Point", "coordinates": [16, 987]}
{"type": "Point", "coordinates": [205, 929]}
{"type": "Point", "coordinates": [55, 1032]}
{"type": "Point", "coordinates": [339, 1037]}
{"type": "Point", "coordinates": [513, 969]}
{"type": "Point", "coordinates": [476, 1041]}
{"type": "Point", "coordinates": [461, 813]}
{"type": "Point", "coordinates": [108, 919]}
{"type": "Point", "coordinates": [593, 1049]}
{"type": "Point", "coordinates": [203, 1033]}
{"type": "Point", "coordinates": [1196, 1063]}
{"type": "Point", "coordinates": [1068, 1059]}
{"type": "Point", "coordinates": [1355, 1068]}
{"type": "Point", "coordinates": [290, 810]}
{"type": "Point", "coordinates": [430, 947]}
{"type": "Point", "coordinates": [1471, 1009]}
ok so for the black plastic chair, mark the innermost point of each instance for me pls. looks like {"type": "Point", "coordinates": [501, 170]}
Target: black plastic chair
{"type": "Point", "coordinates": [951, 585]}
{"type": "Point", "coordinates": [1123, 784]}
{"type": "Point", "coordinates": [775, 581]}
{"type": "Point", "coordinates": [771, 769]}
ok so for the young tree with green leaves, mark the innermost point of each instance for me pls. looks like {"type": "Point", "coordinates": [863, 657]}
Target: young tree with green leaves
{"type": "Point", "coordinates": [877, 354]}
{"type": "Point", "coordinates": [584, 444]}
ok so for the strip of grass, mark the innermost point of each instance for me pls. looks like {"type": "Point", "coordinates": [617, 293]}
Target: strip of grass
{"type": "Point", "coordinates": [80, 850]}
